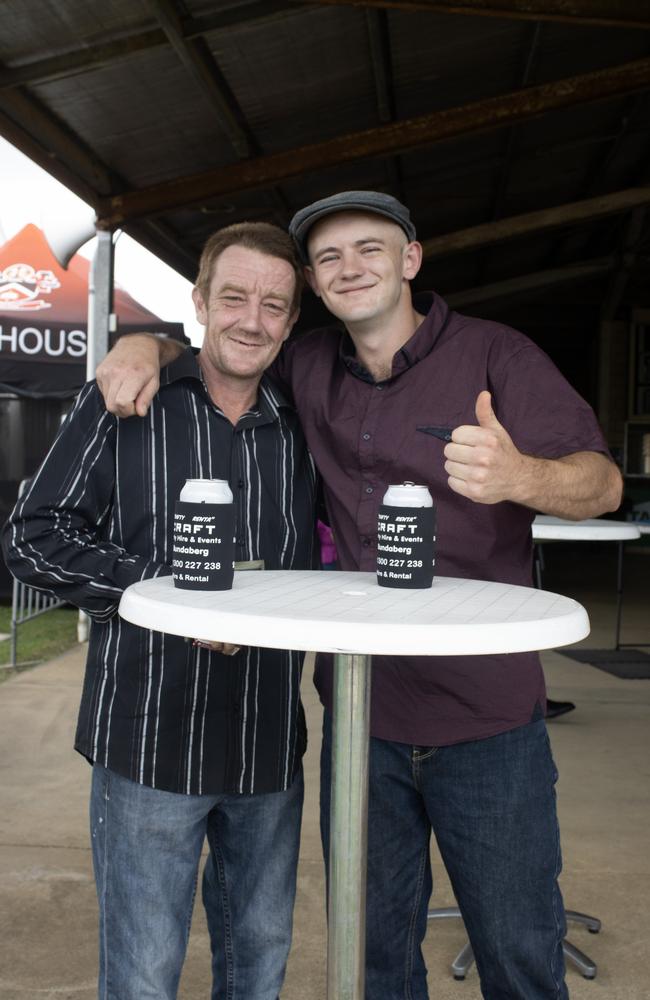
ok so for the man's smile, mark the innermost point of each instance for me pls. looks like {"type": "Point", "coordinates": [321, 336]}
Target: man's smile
{"type": "Point", "coordinates": [357, 288]}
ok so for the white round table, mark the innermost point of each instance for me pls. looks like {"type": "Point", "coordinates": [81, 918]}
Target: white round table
{"type": "Point", "coordinates": [594, 529]}
{"type": "Point", "coordinates": [350, 615]}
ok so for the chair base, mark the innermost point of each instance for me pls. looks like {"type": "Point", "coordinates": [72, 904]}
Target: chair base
{"type": "Point", "coordinates": [463, 961]}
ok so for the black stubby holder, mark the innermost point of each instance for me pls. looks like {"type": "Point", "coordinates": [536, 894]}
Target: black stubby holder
{"type": "Point", "coordinates": [406, 547]}
{"type": "Point", "coordinates": [203, 551]}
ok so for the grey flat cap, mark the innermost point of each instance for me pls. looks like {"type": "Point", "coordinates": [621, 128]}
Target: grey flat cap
{"type": "Point", "coordinates": [348, 201]}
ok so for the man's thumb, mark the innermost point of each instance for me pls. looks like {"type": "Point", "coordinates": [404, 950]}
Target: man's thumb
{"type": "Point", "coordinates": [484, 412]}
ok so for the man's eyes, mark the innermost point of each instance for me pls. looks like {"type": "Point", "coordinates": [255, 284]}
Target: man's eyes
{"type": "Point", "coordinates": [238, 300]}
{"type": "Point", "coordinates": [331, 257]}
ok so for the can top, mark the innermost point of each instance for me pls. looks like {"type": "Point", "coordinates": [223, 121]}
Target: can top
{"type": "Point", "coordinates": [407, 495]}
{"type": "Point", "coordinates": [206, 491]}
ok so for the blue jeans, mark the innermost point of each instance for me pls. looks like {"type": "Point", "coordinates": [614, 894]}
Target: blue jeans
{"type": "Point", "coordinates": [146, 852]}
{"type": "Point", "coordinates": [491, 805]}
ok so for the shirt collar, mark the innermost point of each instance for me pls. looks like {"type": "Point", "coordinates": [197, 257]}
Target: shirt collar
{"type": "Point", "coordinates": [437, 316]}
{"type": "Point", "coordinates": [269, 398]}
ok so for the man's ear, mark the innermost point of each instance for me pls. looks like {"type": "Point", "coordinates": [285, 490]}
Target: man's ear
{"type": "Point", "coordinates": [199, 307]}
{"type": "Point", "coordinates": [310, 278]}
{"type": "Point", "coordinates": [412, 260]}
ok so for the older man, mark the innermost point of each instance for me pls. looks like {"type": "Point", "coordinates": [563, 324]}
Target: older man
{"type": "Point", "coordinates": [186, 743]}
{"type": "Point", "coordinates": [411, 390]}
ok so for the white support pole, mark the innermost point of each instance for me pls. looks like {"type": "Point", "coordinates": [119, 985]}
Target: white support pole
{"type": "Point", "coordinates": [101, 320]}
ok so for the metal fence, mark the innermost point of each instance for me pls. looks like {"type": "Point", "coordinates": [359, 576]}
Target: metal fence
{"type": "Point", "coordinates": [27, 603]}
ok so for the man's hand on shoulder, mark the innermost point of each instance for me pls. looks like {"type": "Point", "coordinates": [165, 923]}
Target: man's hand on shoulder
{"type": "Point", "coordinates": [129, 375]}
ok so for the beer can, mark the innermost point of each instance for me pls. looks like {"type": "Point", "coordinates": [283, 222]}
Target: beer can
{"type": "Point", "coordinates": [406, 535]}
{"type": "Point", "coordinates": [203, 549]}
{"type": "Point", "coordinates": [206, 491]}
{"type": "Point", "coordinates": [407, 495]}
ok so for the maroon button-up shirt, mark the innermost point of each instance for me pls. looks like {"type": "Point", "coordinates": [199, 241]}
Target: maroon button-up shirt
{"type": "Point", "coordinates": [365, 435]}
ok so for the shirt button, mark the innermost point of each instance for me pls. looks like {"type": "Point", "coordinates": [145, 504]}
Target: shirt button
{"type": "Point", "coordinates": [369, 489]}
{"type": "Point", "coordinates": [240, 541]}
{"type": "Point", "coordinates": [379, 387]}
{"type": "Point", "coordinates": [240, 484]}
{"type": "Point", "coordinates": [367, 541]}
{"type": "Point", "coordinates": [366, 437]}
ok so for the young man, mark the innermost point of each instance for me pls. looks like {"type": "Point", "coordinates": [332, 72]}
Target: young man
{"type": "Point", "coordinates": [413, 391]}
{"type": "Point", "coordinates": [186, 743]}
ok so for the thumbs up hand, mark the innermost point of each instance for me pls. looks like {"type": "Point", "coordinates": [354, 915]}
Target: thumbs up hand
{"type": "Point", "coordinates": [482, 462]}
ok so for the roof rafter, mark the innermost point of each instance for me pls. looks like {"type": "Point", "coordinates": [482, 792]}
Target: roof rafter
{"type": "Point", "coordinates": [610, 13]}
{"type": "Point", "coordinates": [62, 154]}
{"type": "Point", "coordinates": [203, 69]}
{"type": "Point", "coordinates": [503, 179]}
{"type": "Point", "coordinates": [634, 13]}
{"type": "Point", "coordinates": [379, 44]}
{"type": "Point", "coordinates": [529, 282]}
{"type": "Point", "coordinates": [96, 56]}
{"type": "Point", "coordinates": [385, 140]}
{"type": "Point", "coordinates": [515, 226]}
{"type": "Point", "coordinates": [57, 143]}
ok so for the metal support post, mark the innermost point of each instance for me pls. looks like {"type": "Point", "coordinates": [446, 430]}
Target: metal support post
{"type": "Point", "coordinates": [619, 593]}
{"type": "Point", "coordinates": [100, 302]}
{"type": "Point", "coordinates": [349, 828]}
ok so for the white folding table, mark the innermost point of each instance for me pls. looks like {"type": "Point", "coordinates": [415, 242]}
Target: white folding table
{"type": "Point", "coordinates": [349, 615]}
{"type": "Point", "coordinates": [595, 529]}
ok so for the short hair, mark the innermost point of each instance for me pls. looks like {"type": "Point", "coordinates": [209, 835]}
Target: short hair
{"type": "Point", "coordinates": [261, 236]}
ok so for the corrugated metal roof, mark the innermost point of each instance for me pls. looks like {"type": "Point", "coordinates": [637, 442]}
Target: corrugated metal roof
{"type": "Point", "coordinates": [119, 96]}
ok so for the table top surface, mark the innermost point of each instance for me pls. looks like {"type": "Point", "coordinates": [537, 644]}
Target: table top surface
{"type": "Point", "coordinates": [594, 529]}
{"type": "Point", "coordinates": [349, 612]}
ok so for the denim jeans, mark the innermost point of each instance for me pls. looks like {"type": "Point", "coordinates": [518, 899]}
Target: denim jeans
{"type": "Point", "coordinates": [146, 852]}
{"type": "Point", "coordinates": [491, 805]}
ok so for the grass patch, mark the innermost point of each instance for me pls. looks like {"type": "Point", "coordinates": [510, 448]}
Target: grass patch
{"type": "Point", "coordinates": [40, 639]}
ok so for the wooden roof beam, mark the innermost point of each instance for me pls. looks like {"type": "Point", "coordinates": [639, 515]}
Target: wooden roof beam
{"type": "Point", "coordinates": [530, 282]}
{"type": "Point", "coordinates": [40, 135]}
{"type": "Point", "coordinates": [202, 68]}
{"type": "Point", "coordinates": [201, 65]}
{"type": "Point", "coordinates": [380, 59]}
{"type": "Point", "coordinates": [45, 158]}
{"type": "Point", "coordinates": [543, 220]}
{"type": "Point", "coordinates": [93, 57]}
{"type": "Point", "coordinates": [606, 13]}
{"type": "Point", "coordinates": [534, 32]}
{"type": "Point", "coordinates": [385, 140]}
{"type": "Point", "coordinates": [79, 61]}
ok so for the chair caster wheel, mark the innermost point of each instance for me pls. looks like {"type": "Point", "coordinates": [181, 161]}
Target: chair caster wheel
{"type": "Point", "coordinates": [589, 976]}
{"type": "Point", "coordinates": [459, 979]}
{"type": "Point", "coordinates": [593, 930]}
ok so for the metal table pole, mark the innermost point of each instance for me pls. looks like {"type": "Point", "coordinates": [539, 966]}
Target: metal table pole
{"type": "Point", "coordinates": [619, 593]}
{"type": "Point", "coordinates": [346, 948]}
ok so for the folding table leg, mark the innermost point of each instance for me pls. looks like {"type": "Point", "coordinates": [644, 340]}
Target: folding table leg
{"type": "Point", "coordinates": [619, 593]}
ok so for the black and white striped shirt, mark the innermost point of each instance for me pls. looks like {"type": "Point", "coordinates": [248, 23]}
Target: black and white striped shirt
{"type": "Point", "coordinates": [98, 516]}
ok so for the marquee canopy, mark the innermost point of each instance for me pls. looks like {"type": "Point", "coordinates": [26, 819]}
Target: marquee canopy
{"type": "Point", "coordinates": [43, 318]}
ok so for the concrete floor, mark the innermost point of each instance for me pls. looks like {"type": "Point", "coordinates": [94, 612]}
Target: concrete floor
{"type": "Point", "coordinates": [47, 900]}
